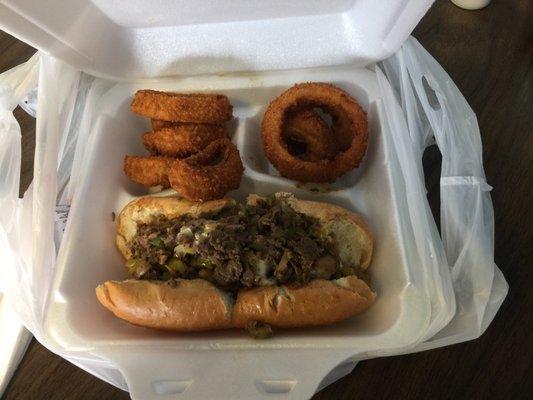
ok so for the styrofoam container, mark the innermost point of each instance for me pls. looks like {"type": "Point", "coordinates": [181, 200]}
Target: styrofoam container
{"type": "Point", "coordinates": [126, 39]}
{"type": "Point", "coordinates": [304, 40]}
{"type": "Point", "coordinates": [216, 364]}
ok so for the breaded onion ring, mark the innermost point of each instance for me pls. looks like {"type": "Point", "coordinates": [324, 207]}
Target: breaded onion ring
{"type": "Point", "coordinates": [346, 114]}
{"type": "Point", "coordinates": [209, 174]}
{"type": "Point", "coordinates": [148, 171]}
{"type": "Point", "coordinates": [308, 136]}
{"type": "Point", "coordinates": [182, 140]}
{"type": "Point", "coordinates": [179, 107]}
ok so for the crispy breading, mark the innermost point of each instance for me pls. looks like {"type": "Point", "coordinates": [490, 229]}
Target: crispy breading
{"type": "Point", "coordinates": [182, 140]}
{"type": "Point", "coordinates": [177, 107]}
{"type": "Point", "coordinates": [148, 171]}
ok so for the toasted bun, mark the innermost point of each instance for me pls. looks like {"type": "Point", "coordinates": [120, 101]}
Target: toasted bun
{"type": "Point", "coordinates": [194, 305]}
{"type": "Point", "coordinates": [190, 305]}
{"type": "Point", "coordinates": [318, 302]}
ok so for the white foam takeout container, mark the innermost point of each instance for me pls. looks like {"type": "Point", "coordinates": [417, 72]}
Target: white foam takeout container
{"type": "Point", "coordinates": [129, 41]}
{"type": "Point", "coordinates": [293, 359]}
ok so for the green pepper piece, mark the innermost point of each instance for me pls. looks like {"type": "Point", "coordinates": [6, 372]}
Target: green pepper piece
{"type": "Point", "coordinates": [157, 241]}
{"type": "Point", "coordinates": [259, 330]}
{"type": "Point", "coordinates": [250, 210]}
{"type": "Point", "coordinates": [271, 198]}
{"type": "Point", "coordinates": [137, 267]}
{"type": "Point", "coordinates": [175, 265]}
{"type": "Point", "coordinates": [181, 250]}
{"type": "Point", "coordinates": [201, 262]}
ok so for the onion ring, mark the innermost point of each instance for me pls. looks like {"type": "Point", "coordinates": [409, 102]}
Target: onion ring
{"type": "Point", "coordinates": [177, 107]}
{"type": "Point", "coordinates": [209, 174]}
{"type": "Point", "coordinates": [148, 171]}
{"type": "Point", "coordinates": [308, 136]}
{"type": "Point", "coordinates": [182, 140]}
{"type": "Point", "coordinates": [349, 118]}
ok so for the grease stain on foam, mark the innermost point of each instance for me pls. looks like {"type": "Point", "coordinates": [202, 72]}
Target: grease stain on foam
{"type": "Point", "coordinates": [255, 79]}
{"type": "Point", "coordinates": [316, 188]}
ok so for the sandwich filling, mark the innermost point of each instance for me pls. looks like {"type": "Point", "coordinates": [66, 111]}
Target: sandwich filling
{"type": "Point", "coordinates": [268, 243]}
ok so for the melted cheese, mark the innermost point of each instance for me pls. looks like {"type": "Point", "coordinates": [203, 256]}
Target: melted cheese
{"type": "Point", "coordinates": [261, 269]}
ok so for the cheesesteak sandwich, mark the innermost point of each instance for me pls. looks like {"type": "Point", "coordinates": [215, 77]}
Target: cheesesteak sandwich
{"type": "Point", "coordinates": [276, 261]}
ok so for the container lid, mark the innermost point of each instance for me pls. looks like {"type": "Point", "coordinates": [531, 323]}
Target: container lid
{"type": "Point", "coordinates": [126, 39]}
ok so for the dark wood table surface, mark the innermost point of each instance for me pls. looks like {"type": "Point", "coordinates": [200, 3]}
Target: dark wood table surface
{"type": "Point", "coordinates": [488, 53]}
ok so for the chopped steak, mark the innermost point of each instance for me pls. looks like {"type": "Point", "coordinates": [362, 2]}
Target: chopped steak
{"type": "Point", "coordinates": [266, 244]}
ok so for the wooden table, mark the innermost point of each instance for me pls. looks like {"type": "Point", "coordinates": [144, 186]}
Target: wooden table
{"type": "Point", "coordinates": [488, 55]}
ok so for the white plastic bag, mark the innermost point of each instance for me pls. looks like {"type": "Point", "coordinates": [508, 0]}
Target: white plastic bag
{"type": "Point", "coordinates": [460, 267]}
{"type": "Point", "coordinates": [434, 107]}
{"type": "Point", "coordinates": [16, 83]}
{"type": "Point", "coordinates": [27, 246]}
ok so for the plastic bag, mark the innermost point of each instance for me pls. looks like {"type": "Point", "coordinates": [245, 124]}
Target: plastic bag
{"type": "Point", "coordinates": [466, 286]}
{"type": "Point", "coordinates": [433, 107]}
{"type": "Point", "coordinates": [17, 81]}
{"type": "Point", "coordinates": [27, 245]}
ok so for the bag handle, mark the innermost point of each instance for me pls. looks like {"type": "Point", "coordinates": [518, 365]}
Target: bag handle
{"type": "Point", "coordinates": [15, 84]}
